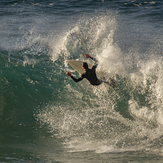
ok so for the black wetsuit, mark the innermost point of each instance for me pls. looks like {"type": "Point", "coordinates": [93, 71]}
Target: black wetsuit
{"type": "Point", "coordinates": [90, 75]}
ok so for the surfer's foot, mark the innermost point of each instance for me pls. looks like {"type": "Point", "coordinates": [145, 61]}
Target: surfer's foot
{"type": "Point", "coordinates": [112, 83]}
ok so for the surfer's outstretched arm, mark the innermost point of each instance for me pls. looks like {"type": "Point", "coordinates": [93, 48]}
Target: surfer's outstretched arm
{"type": "Point", "coordinates": [94, 59]}
{"type": "Point", "coordinates": [76, 80]}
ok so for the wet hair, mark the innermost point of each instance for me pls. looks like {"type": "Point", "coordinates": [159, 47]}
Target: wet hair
{"type": "Point", "coordinates": [85, 65]}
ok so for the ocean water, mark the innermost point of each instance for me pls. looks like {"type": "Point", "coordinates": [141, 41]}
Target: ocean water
{"type": "Point", "coordinates": [46, 117]}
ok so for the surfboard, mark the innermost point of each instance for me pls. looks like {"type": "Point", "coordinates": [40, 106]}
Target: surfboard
{"type": "Point", "coordinates": [76, 65]}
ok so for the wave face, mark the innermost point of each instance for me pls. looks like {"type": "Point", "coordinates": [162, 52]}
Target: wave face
{"type": "Point", "coordinates": [99, 118]}
{"type": "Point", "coordinates": [44, 114]}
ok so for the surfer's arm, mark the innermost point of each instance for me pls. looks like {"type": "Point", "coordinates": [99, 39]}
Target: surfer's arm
{"type": "Point", "coordinates": [77, 80]}
{"type": "Point", "coordinates": [96, 61]}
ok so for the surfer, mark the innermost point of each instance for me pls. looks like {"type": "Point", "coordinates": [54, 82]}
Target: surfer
{"type": "Point", "coordinates": [90, 74]}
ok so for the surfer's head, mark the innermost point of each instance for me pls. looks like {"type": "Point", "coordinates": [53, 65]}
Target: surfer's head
{"type": "Point", "coordinates": [85, 65]}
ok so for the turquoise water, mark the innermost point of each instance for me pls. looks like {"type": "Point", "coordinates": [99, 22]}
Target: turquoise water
{"type": "Point", "coordinates": [46, 117]}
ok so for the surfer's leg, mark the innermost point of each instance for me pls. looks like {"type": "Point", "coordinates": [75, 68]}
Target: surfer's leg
{"type": "Point", "coordinates": [110, 82]}
{"type": "Point", "coordinates": [99, 82]}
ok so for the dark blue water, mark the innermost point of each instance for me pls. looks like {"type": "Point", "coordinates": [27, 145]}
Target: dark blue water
{"type": "Point", "coordinates": [45, 116]}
